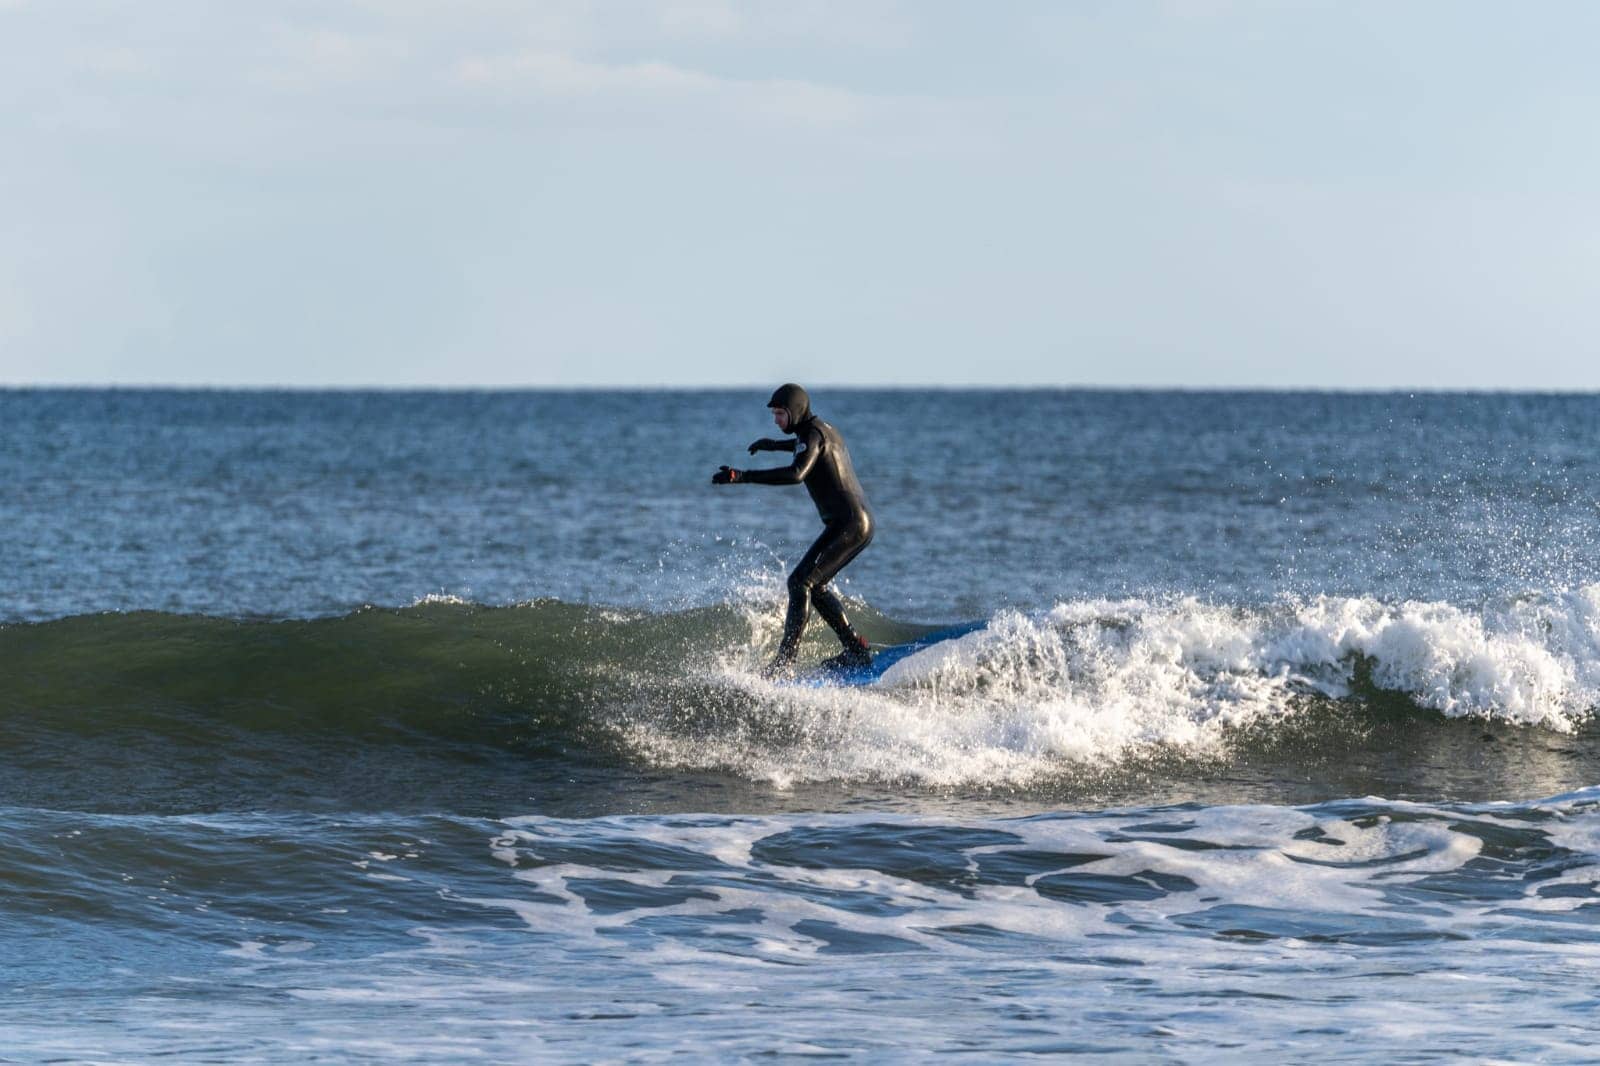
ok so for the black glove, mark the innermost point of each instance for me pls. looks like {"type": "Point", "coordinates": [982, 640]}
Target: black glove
{"type": "Point", "coordinates": [725, 475]}
{"type": "Point", "coordinates": [763, 445]}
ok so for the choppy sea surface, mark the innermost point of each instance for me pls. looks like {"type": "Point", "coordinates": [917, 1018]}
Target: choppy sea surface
{"type": "Point", "coordinates": [369, 726]}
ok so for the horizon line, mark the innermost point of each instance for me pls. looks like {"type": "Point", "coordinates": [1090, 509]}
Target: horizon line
{"type": "Point", "coordinates": [1372, 390]}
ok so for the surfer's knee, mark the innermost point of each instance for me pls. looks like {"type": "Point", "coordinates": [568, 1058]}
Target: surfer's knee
{"type": "Point", "coordinates": [801, 582]}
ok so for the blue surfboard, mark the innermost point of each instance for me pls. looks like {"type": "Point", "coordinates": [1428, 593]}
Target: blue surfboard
{"type": "Point", "coordinates": [882, 659]}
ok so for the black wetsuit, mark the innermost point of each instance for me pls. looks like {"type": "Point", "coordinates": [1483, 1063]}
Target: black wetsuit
{"type": "Point", "coordinates": [822, 464]}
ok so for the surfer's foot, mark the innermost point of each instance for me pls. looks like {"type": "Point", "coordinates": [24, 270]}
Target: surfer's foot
{"type": "Point", "coordinates": [853, 656]}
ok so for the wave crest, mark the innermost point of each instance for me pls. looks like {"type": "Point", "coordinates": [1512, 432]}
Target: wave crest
{"type": "Point", "coordinates": [1090, 684]}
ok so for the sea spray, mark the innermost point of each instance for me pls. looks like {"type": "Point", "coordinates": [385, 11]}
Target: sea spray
{"type": "Point", "coordinates": [1089, 684]}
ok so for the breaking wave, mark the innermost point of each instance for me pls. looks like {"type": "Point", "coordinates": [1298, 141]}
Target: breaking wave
{"type": "Point", "coordinates": [1030, 697]}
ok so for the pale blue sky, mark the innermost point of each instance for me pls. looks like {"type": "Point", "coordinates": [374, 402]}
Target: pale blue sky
{"type": "Point", "coordinates": [484, 192]}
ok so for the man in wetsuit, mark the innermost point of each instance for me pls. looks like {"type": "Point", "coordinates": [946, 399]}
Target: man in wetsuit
{"type": "Point", "coordinates": [822, 464]}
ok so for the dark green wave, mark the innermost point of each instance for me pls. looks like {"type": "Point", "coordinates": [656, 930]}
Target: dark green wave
{"type": "Point", "coordinates": [528, 675]}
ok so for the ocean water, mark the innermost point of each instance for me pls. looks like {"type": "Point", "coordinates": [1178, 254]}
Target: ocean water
{"type": "Point", "coordinates": [373, 726]}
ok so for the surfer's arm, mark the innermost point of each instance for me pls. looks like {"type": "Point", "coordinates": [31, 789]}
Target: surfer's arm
{"type": "Point", "coordinates": [767, 444]}
{"type": "Point", "coordinates": [804, 459]}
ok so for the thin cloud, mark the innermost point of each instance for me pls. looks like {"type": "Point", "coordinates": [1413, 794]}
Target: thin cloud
{"type": "Point", "coordinates": [307, 57]}
{"type": "Point", "coordinates": [657, 84]}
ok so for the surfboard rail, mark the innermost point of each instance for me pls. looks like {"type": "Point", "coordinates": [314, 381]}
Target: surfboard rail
{"type": "Point", "coordinates": [882, 659]}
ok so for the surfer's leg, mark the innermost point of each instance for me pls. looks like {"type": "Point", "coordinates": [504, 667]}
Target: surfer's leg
{"type": "Point", "coordinates": [794, 621]}
{"type": "Point", "coordinates": [808, 585]}
{"type": "Point", "coordinates": [827, 601]}
{"type": "Point", "coordinates": [794, 627]}
{"type": "Point", "coordinates": [829, 606]}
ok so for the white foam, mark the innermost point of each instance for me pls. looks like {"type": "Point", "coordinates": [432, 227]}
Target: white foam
{"type": "Point", "coordinates": [1090, 683]}
{"type": "Point", "coordinates": [434, 599]}
{"type": "Point", "coordinates": [1240, 857]}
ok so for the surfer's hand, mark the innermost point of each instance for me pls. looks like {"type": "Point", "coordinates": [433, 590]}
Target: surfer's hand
{"type": "Point", "coordinates": [762, 445]}
{"type": "Point", "coordinates": [725, 475]}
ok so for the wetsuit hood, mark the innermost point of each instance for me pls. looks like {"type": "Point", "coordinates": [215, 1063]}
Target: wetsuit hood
{"type": "Point", "coordinates": [792, 398]}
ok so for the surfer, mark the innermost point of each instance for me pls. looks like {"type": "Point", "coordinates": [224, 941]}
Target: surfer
{"type": "Point", "coordinates": [822, 464]}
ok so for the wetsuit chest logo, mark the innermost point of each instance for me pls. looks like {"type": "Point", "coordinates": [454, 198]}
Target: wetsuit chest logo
{"type": "Point", "coordinates": [799, 447]}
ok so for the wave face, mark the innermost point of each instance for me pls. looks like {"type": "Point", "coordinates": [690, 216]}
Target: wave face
{"type": "Point", "coordinates": [1087, 691]}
